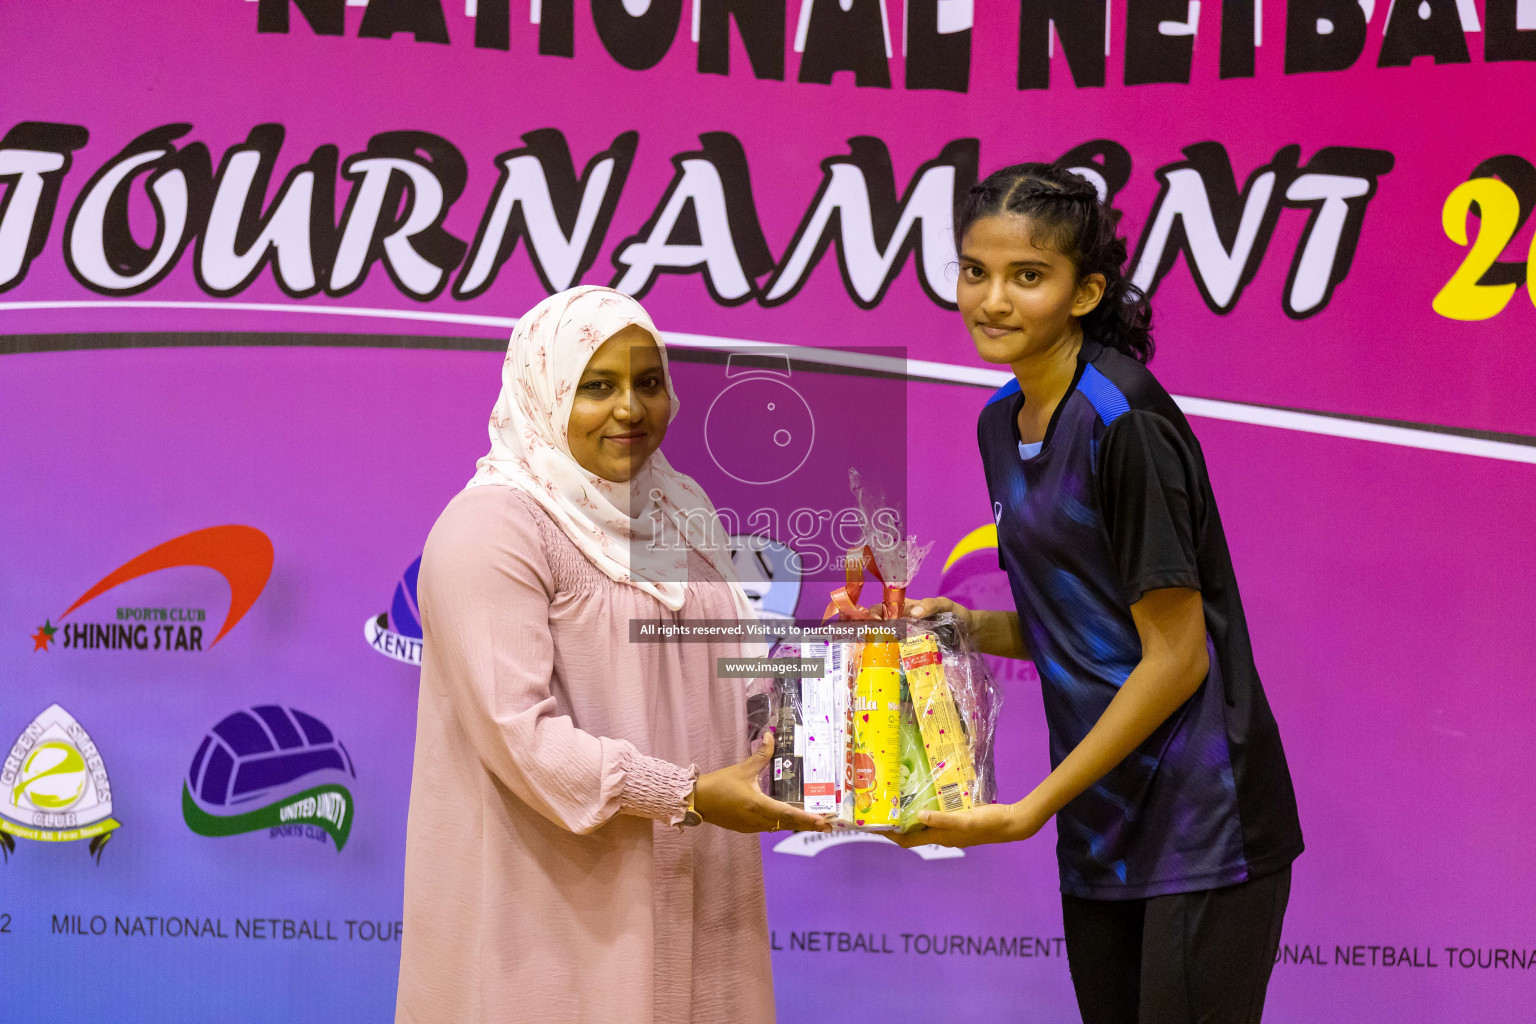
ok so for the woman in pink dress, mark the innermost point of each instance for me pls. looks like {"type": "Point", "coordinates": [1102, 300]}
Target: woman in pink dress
{"type": "Point", "coordinates": [550, 875]}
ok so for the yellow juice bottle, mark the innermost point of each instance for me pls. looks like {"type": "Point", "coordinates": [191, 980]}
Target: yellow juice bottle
{"type": "Point", "coordinates": [877, 733]}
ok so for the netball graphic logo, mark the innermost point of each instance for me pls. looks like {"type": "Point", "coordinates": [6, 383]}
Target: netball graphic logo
{"type": "Point", "coordinates": [54, 787]}
{"type": "Point", "coordinates": [241, 554]}
{"type": "Point", "coordinates": [270, 768]}
{"type": "Point", "coordinates": [397, 632]}
{"type": "Point", "coordinates": [759, 430]}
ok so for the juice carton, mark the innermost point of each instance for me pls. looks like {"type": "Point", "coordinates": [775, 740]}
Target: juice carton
{"type": "Point", "coordinates": [823, 726]}
{"type": "Point", "coordinates": [945, 741]}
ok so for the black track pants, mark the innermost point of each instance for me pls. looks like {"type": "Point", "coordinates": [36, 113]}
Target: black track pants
{"type": "Point", "coordinates": [1189, 958]}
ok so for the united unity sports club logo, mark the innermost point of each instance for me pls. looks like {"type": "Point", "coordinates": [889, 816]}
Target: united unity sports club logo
{"type": "Point", "coordinates": [397, 633]}
{"type": "Point", "coordinates": [270, 768]}
{"type": "Point", "coordinates": [241, 554]}
{"type": "Point", "coordinates": [54, 786]}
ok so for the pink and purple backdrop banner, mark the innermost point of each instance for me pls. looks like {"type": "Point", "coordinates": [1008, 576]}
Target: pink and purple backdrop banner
{"type": "Point", "coordinates": [255, 262]}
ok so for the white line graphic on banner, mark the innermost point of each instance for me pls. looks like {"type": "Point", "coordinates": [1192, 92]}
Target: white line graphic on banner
{"type": "Point", "coordinates": [1208, 408]}
{"type": "Point", "coordinates": [809, 844]}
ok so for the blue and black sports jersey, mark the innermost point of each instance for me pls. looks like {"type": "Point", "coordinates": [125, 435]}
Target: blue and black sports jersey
{"type": "Point", "coordinates": [1116, 503]}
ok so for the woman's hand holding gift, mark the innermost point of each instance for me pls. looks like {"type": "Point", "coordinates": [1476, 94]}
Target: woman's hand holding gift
{"type": "Point", "coordinates": [731, 798]}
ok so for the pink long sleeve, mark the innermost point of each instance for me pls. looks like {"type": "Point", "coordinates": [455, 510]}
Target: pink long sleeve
{"type": "Point", "coordinates": [539, 884]}
{"type": "Point", "coordinates": [485, 591]}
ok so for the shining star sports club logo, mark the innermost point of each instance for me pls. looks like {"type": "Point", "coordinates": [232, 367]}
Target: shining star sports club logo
{"type": "Point", "coordinates": [397, 633]}
{"type": "Point", "coordinates": [241, 554]}
{"type": "Point", "coordinates": [270, 768]}
{"type": "Point", "coordinates": [54, 786]}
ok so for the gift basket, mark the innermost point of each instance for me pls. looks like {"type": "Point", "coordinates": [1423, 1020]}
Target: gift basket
{"type": "Point", "coordinates": [888, 717]}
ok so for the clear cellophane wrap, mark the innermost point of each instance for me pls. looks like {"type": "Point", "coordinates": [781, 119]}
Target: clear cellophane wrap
{"type": "Point", "coordinates": [898, 723]}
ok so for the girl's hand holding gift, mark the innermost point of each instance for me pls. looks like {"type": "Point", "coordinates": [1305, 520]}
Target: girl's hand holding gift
{"type": "Point", "coordinates": [992, 632]}
{"type": "Point", "coordinates": [929, 607]}
{"type": "Point", "coordinates": [989, 823]}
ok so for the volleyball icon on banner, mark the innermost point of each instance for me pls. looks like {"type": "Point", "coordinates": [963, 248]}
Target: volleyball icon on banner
{"type": "Point", "coordinates": [270, 768]}
{"type": "Point", "coordinates": [403, 616]}
{"type": "Point", "coordinates": [397, 633]}
{"type": "Point", "coordinates": [759, 430]}
{"type": "Point", "coordinates": [252, 753]}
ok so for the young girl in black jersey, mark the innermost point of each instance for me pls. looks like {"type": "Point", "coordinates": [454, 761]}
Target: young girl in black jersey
{"type": "Point", "coordinates": [1175, 816]}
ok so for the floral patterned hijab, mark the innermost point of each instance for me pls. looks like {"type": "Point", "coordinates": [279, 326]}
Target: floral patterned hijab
{"type": "Point", "coordinates": [548, 353]}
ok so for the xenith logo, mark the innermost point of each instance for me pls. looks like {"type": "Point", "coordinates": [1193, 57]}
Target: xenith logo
{"type": "Point", "coordinates": [54, 787]}
{"type": "Point", "coordinates": [397, 632]}
{"type": "Point", "coordinates": [270, 768]}
{"type": "Point", "coordinates": [241, 554]}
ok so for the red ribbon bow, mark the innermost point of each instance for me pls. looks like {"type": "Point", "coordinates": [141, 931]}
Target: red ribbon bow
{"type": "Point", "coordinates": [845, 599]}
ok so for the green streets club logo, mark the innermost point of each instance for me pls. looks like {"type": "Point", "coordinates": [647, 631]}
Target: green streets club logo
{"type": "Point", "coordinates": [54, 787]}
{"type": "Point", "coordinates": [397, 632]}
{"type": "Point", "coordinates": [241, 554]}
{"type": "Point", "coordinates": [272, 768]}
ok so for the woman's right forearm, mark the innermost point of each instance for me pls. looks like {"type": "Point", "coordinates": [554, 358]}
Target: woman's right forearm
{"type": "Point", "coordinates": [998, 633]}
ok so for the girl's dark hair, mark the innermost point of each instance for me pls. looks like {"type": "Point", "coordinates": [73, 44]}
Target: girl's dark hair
{"type": "Point", "coordinates": [1067, 215]}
